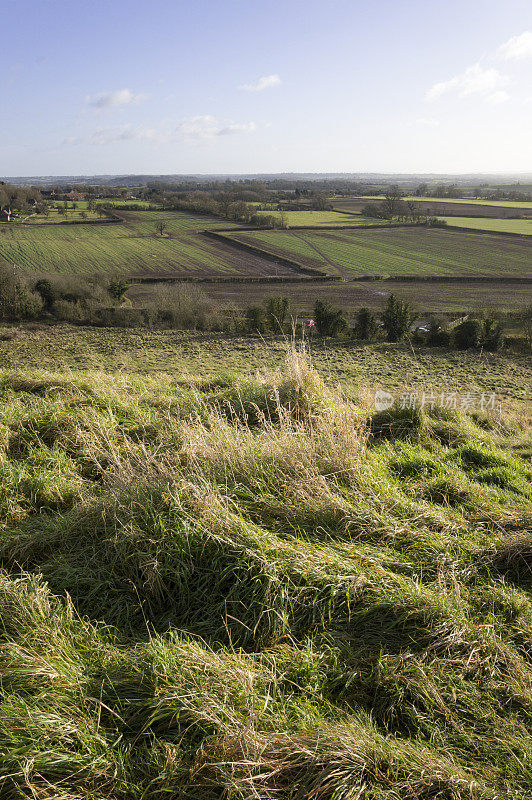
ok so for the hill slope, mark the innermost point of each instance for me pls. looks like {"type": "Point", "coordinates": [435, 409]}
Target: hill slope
{"type": "Point", "coordinates": [253, 588]}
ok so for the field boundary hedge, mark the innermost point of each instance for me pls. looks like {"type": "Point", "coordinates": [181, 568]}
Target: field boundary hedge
{"type": "Point", "coordinates": [260, 279]}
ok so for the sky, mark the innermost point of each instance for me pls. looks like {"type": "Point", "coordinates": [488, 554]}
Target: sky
{"type": "Point", "coordinates": [249, 86]}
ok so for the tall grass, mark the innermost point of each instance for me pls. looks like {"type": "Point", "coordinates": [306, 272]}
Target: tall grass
{"type": "Point", "coordinates": [236, 589]}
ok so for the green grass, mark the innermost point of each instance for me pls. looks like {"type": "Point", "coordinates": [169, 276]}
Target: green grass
{"type": "Point", "coordinates": [128, 247]}
{"type": "Point", "coordinates": [520, 226]}
{"type": "Point", "coordinates": [402, 251]}
{"type": "Point", "coordinates": [354, 365]}
{"type": "Point", "coordinates": [296, 219]}
{"type": "Point", "coordinates": [234, 588]}
{"type": "Point", "coordinates": [54, 216]}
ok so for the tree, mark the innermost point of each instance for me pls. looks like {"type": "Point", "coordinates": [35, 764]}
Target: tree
{"type": "Point", "coordinates": [365, 327]}
{"type": "Point", "coordinates": [277, 310]}
{"type": "Point", "coordinates": [161, 227]}
{"type": "Point", "coordinates": [396, 318]}
{"type": "Point", "coordinates": [319, 201]}
{"type": "Point", "coordinates": [392, 203]}
{"type": "Point", "coordinates": [329, 321]}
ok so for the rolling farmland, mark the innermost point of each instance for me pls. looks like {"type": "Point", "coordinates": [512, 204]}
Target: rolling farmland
{"type": "Point", "coordinates": [411, 251]}
{"type": "Point", "coordinates": [131, 247]}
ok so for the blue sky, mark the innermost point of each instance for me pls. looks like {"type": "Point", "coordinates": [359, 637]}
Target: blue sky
{"type": "Point", "coordinates": [168, 86]}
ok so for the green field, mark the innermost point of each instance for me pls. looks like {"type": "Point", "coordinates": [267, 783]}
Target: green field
{"type": "Point", "coordinates": [297, 219]}
{"type": "Point", "coordinates": [401, 251]}
{"type": "Point", "coordinates": [520, 226]}
{"type": "Point", "coordinates": [129, 247]}
{"type": "Point", "coordinates": [54, 216]}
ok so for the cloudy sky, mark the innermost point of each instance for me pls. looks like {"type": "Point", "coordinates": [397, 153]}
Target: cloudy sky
{"type": "Point", "coordinates": [173, 86]}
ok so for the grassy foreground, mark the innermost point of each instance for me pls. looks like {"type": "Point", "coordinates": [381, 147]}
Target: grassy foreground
{"type": "Point", "coordinates": [254, 588]}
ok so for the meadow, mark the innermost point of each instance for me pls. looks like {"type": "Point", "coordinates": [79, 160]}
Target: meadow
{"type": "Point", "coordinates": [72, 215]}
{"type": "Point", "coordinates": [522, 227]}
{"type": "Point", "coordinates": [296, 219]}
{"type": "Point", "coordinates": [185, 353]}
{"type": "Point", "coordinates": [255, 586]}
{"type": "Point", "coordinates": [410, 251]}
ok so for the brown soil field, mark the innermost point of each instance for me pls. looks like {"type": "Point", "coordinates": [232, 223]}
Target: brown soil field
{"type": "Point", "coordinates": [425, 296]}
{"type": "Point", "coordinates": [441, 208]}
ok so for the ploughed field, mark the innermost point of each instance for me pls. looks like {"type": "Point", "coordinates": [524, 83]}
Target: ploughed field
{"type": "Point", "coordinates": [132, 247]}
{"type": "Point", "coordinates": [414, 251]}
{"type": "Point", "coordinates": [434, 296]}
{"type": "Point", "coordinates": [451, 206]}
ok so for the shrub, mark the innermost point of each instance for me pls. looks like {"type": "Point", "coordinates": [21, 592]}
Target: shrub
{"type": "Point", "coordinates": [47, 292]}
{"type": "Point", "coordinates": [437, 336]}
{"type": "Point", "coordinates": [256, 319]}
{"type": "Point", "coordinates": [491, 336]}
{"type": "Point", "coordinates": [467, 334]}
{"type": "Point", "coordinates": [117, 289]}
{"type": "Point", "coordinates": [329, 321]}
{"type": "Point", "coordinates": [366, 326]}
{"type": "Point", "coordinates": [396, 318]}
{"type": "Point", "coordinates": [17, 301]}
{"type": "Point", "coordinates": [277, 311]}
{"type": "Point", "coordinates": [180, 305]}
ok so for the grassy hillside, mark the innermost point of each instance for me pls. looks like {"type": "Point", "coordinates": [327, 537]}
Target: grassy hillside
{"type": "Point", "coordinates": [178, 353]}
{"type": "Point", "coordinates": [254, 588]}
{"type": "Point", "coordinates": [399, 251]}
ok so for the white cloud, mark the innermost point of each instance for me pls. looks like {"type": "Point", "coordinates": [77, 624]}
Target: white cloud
{"type": "Point", "coordinates": [498, 97]}
{"type": "Point", "coordinates": [517, 47]}
{"type": "Point", "coordinates": [475, 80]}
{"type": "Point", "coordinates": [208, 127]}
{"type": "Point", "coordinates": [246, 127]}
{"type": "Point", "coordinates": [427, 122]}
{"type": "Point", "coordinates": [266, 82]}
{"type": "Point", "coordinates": [121, 97]}
{"type": "Point", "coordinates": [205, 127]}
